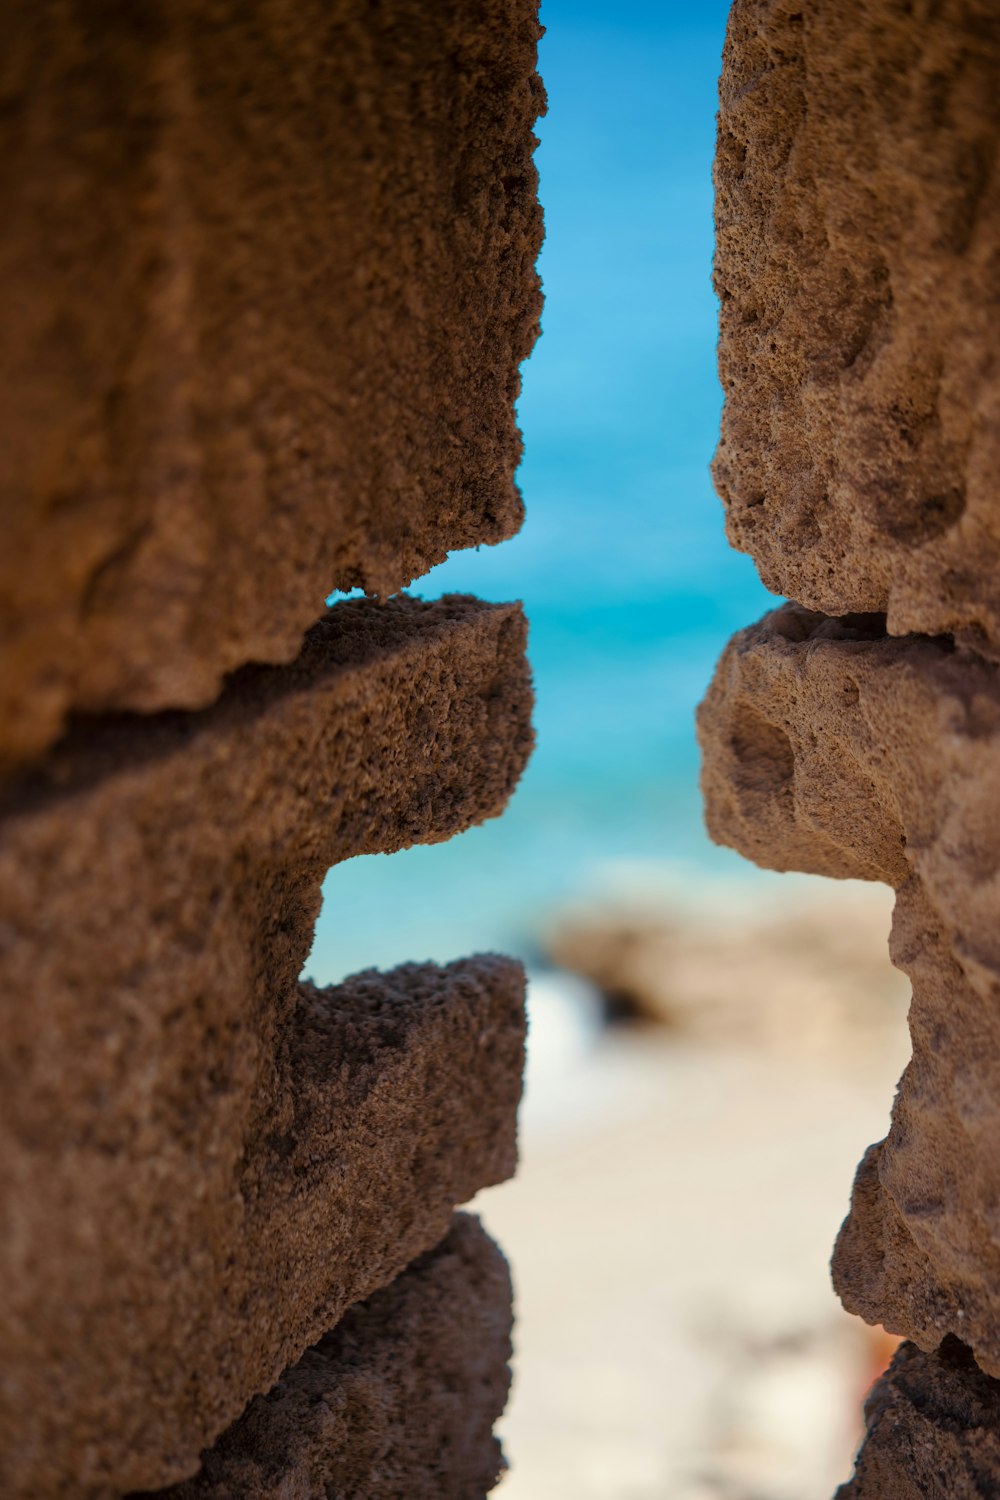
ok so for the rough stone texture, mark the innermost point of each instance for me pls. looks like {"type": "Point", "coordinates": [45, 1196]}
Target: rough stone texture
{"type": "Point", "coordinates": [399, 1399]}
{"type": "Point", "coordinates": [833, 748]}
{"type": "Point", "coordinates": [933, 1430]}
{"type": "Point", "coordinates": [858, 235]}
{"type": "Point", "coordinates": [858, 246]}
{"type": "Point", "coordinates": [202, 1162]}
{"type": "Point", "coordinates": [268, 275]}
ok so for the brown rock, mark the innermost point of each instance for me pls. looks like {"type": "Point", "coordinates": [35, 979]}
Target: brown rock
{"type": "Point", "coordinates": [834, 748]}
{"type": "Point", "coordinates": [933, 1432]}
{"type": "Point", "coordinates": [858, 231]}
{"type": "Point", "coordinates": [202, 1162]}
{"type": "Point", "coordinates": [268, 275]}
{"type": "Point", "coordinates": [399, 1399]}
{"type": "Point", "coordinates": [805, 976]}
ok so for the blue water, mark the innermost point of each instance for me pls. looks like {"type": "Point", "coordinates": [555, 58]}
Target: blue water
{"type": "Point", "coordinates": [622, 564]}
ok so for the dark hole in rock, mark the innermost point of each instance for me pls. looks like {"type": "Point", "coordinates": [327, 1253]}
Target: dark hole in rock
{"type": "Point", "coordinates": [763, 750]}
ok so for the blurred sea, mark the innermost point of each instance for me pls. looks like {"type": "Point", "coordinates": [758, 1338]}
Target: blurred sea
{"type": "Point", "coordinates": [622, 565]}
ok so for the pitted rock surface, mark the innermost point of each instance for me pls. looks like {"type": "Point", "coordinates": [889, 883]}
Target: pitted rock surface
{"type": "Point", "coordinates": [858, 238]}
{"type": "Point", "coordinates": [202, 1161]}
{"type": "Point", "coordinates": [269, 277]}
{"type": "Point", "coordinates": [399, 1399]}
{"type": "Point", "coordinates": [833, 748]}
{"type": "Point", "coordinates": [858, 231]}
{"type": "Point", "coordinates": [933, 1430]}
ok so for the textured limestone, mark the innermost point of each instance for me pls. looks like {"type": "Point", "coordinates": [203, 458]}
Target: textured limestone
{"type": "Point", "coordinates": [933, 1433]}
{"type": "Point", "coordinates": [399, 1399]}
{"type": "Point", "coordinates": [858, 231]}
{"type": "Point", "coordinates": [202, 1162]}
{"type": "Point", "coordinates": [268, 276]}
{"type": "Point", "coordinates": [858, 239]}
{"type": "Point", "coordinates": [833, 748]}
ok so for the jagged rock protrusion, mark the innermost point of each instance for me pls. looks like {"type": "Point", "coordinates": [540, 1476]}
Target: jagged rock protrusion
{"type": "Point", "coordinates": [834, 748]}
{"type": "Point", "coordinates": [933, 1430]}
{"type": "Point", "coordinates": [202, 1162]}
{"type": "Point", "coordinates": [269, 278]}
{"type": "Point", "coordinates": [858, 236]}
{"type": "Point", "coordinates": [399, 1399]}
{"type": "Point", "coordinates": [858, 218]}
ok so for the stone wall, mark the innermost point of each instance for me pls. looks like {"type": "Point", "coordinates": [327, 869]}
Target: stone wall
{"type": "Point", "coordinates": [269, 273]}
{"type": "Point", "coordinates": [856, 731]}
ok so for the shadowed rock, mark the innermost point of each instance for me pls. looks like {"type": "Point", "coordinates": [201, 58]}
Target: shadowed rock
{"type": "Point", "coordinates": [933, 1430]}
{"type": "Point", "coordinates": [830, 747]}
{"type": "Point", "coordinates": [203, 1162]}
{"type": "Point", "coordinates": [858, 228]}
{"type": "Point", "coordinates": [269, 276]}
{"type": "Point", "coordinates": [399, 1399]}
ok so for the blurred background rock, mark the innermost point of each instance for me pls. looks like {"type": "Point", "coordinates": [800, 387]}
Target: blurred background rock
{"type": "Point", "coordinates": [802, 972]}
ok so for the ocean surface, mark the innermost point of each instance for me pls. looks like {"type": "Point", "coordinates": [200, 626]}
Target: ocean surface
{"type": "Point", "coordinates": [622, 565]}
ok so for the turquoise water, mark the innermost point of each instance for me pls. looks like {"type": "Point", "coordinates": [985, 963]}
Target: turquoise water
{"type": "Point", "coordinates": [622, 565]}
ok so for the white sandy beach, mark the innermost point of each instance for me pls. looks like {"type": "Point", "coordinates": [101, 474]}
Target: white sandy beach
{"type": "Point", "coordinates": [671, 1226]}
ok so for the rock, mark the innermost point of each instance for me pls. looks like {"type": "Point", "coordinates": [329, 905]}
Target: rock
{"type": "Point", "coordinates": [858, 218]}
{"type": "Point", "coordinates": [203, 1162]}
{"type": "Point", "coordinates": [806, 974]}
{"type": "Point", "coordinates": [399, 1399]}
{"type": "Point", "coordinates": [832, 747]}
{"type": "Point", "coordinates": [269, 276]}
{"type": "Point", "coordinates": [858, 223]}
{"type": "Point", "coordinates": [933, 1430]}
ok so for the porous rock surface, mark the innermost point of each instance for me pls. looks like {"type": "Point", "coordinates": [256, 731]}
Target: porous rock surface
{"type": "Point", "coordinates": [399, 1399]}
{"type": "Point", "coordinates": [203, 1162]}
{"type": "Point", "coordinates": [858, 238]}
{"type": "Point", "coordinates": [933, 1430]}
{"type": "Point", "coordinates": [269, 276]}
{"type": "Point", "coordinates": [858, 218]}
{"type": "Point", "coordinates": [833, 748]}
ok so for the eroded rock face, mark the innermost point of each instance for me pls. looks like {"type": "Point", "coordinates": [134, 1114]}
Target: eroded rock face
{"type": "Point", "coordinates": [933, 1433]}
{"type": "Point", "coordinates": [203, 1162]}
{"type": "Point", "coordinates": [858, 218]}
{"type": "Point", "coordinates": [268, 282]}
{"type": "Point", "coordinates": [399, 1399]}
{"type": "Point", "coordinates": [833, 748]}
{"type": "Point", "coordinates": [269, 278]}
